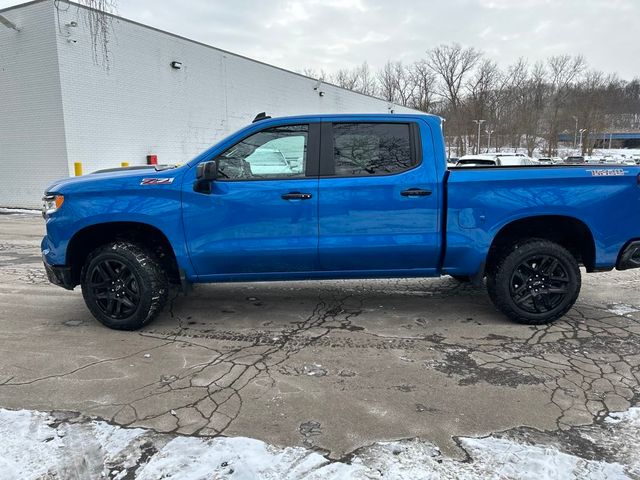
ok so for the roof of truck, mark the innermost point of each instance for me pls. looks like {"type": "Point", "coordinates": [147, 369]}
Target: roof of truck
{"type": "Point", "coordinates": [353, 115]}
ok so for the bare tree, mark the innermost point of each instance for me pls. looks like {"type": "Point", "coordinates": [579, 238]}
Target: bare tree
{"type": "Point", "coordinates": [589, 103]}
{"type": "Point", "coordinates": [424, 80]}
{"type": "Point", "coordinates": [533, 107]}
{"type": "Point", "coordinates": [367, 84]}
{"type": "Point", "coordinates": [453, 64]}
{"type": "Point", "coordinates": [386, 82]}
{"type": "Point", "coordinates": [483, 89]}
{"type": "Point", "coordinates": [346, 78]}
{"type": "Point", "coordinates": [563, 71]}
{"type": "Point", "coordinates": [358, 79]}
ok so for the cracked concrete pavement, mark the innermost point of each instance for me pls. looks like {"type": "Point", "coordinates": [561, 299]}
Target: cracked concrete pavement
{"type": "Point", "coordinates": [331, 365]}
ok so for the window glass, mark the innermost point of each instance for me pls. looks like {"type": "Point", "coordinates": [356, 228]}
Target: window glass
{"type": "Point", "coordinates": [371, 148]}
{"type": "Point", "coordinates": [279, 152]}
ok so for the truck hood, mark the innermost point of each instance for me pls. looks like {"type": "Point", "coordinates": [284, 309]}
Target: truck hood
{"type": "Point", "coordinates": [111, 179]}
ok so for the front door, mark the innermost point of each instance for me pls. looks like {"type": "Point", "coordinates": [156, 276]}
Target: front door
{"type": "Point", "coordinates": [262, 213]}
{"type": "Point", "coordinates": [379, 198]}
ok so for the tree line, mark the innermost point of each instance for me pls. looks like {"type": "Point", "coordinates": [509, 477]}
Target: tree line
{"type": "Point", "coordinates": [524, 106]}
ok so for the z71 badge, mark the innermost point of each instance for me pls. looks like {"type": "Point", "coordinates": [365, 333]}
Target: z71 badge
{"type": "Point", "coordinates": [614, 172]}
{"type": "Point", "coordinates": [156, 181]}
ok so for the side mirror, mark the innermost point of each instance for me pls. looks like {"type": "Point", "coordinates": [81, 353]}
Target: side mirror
{"type": "Point", "coordinates": [207, 171]}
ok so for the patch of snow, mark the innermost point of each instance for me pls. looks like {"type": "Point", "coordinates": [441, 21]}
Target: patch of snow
{"type": "Point", "coordinates": [631, 416]}
{"type": "Point", "coordinates": [36, 445]}
{"type": "Point", "coordinates": [237, 458]}
{"type": "Point", "coordinates": [314, 370]}
{"type": "Point", "coordinates": [33, 446]}
{"type": "Point", "coordinates": [507, 459]}
{"type": "Point", "coordinates": [623, 309]}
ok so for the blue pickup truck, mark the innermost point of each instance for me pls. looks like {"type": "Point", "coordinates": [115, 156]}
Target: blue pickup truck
{"type": "Point", "coordinates": [338, 196]}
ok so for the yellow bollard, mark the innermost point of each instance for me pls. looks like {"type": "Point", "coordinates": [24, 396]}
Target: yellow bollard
{"type": "Point", "coordinates": [77, 168]}
{"type": "Point", "coordinates": [124, 164]}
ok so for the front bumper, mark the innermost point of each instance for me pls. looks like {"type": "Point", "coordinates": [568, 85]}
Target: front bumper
{"type": "Point", "coordinates": [59, 275]}
{"type": "Point", "coordinates": [630, 256]}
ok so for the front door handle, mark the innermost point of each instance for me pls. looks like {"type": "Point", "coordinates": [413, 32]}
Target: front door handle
{"type": "Point", "coordinates": [296, 196]}
{"type": "Point", "coordinates": [416, 192]}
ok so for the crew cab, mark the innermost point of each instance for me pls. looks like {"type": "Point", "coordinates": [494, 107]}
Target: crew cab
{"type": "Point", "coordinates": [338, 196]}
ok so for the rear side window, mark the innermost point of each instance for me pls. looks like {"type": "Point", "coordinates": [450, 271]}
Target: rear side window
{"type": "Point", "coordinates": [361, 149]}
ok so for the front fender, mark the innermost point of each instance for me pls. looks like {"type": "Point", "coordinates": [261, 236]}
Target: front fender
{"type": "Point", "coordinates": [160, 209]}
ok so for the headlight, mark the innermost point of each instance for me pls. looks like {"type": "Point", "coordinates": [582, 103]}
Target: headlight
{"type": "Point", "coordinates": [51, 204]}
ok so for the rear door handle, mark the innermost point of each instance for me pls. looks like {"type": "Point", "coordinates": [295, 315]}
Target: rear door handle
{"type": "Point", "coordinates": [416, 192]}
{"type": "Point", "coordinates": [296, 196]}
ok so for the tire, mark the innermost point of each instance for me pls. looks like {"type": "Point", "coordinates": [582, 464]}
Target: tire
{"type": "Point", "coordinates": [123, 285]}
{"type": "Point", "coordinates": [534, 282]}
{"type": "Point", "coordinates": [461, 278]}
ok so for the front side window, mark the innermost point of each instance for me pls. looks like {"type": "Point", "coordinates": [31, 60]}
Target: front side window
{"type": "Point", "coordinates": [279, 152]}
{"type": "Point", "coordinates": [361, 149]}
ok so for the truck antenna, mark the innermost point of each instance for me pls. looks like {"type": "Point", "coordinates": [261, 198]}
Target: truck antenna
{"type": "Point", "coordinates": [261, 116]}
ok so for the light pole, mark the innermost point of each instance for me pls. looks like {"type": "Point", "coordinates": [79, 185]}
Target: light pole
{"type": "Point", "coordinates": [489, 132]}
{"type": "Point", "coordinates": [479, 122]}
{"type": "Point", "coordinates": [575, 135]}
{"type": "Point", "coordinates": [582, 130]}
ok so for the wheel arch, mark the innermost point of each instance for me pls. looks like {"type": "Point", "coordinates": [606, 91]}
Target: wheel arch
{"type": "Point", "coordinates": [87, 239]}
{"type": "Point", "coordinates": [570, 232]}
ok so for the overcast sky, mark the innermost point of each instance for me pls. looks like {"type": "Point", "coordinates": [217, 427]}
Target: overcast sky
{"type": "Point", "coordinates": [332, 34]}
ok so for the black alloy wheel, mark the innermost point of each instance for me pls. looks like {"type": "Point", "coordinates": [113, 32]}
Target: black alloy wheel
{"type": "Point", "coordinates": [115, 288]}
{"type": "Point", "coordinates": [539, 284]}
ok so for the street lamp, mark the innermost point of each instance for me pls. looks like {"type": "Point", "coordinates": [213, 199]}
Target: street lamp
{"type": "Point", "coordinates": [489, 132]}
{"type": "Point", "coordinates": [575, 135]}
{"type": "Point", "coordinates": [479, 122]}
{"type": "Point", "coordinates": [582, 130]}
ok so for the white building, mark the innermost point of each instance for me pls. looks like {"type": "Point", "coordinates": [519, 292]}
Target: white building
{"type": "Point", "coordinates": [61, 104]}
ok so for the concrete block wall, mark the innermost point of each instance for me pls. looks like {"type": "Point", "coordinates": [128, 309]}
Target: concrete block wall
{"type": "Point", "coordinates": [32, 136]}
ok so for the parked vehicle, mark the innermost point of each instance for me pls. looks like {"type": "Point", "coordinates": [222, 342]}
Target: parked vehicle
{"type": "Point", "coordinates": [574, 160]}
{"type": "Point", "coordinates": [494, 160]}
{"type": "Point", "coordinates": [362, 196]}
{"type": "Point", "coordinates": [594, 160]}
{"type": "Point", "coordinates": [506, 154]}
{"type": "Point", "coordinates": [545, 161]}
{"type": "Point", "coordinates": [517, 160]}
{"type": "Point", "coordinates": [477, 161]}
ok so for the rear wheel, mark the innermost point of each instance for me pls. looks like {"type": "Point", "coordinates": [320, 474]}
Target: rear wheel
{"type": "Point", "coordinates": [123, 286]}
{"type": "Point", "coordinates": [535, 282]}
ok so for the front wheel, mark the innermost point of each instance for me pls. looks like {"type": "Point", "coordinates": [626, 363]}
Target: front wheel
{"type": "Point", "coordinates": [535, 282]}
{"type": "Point", "coordinates": [124, 286]}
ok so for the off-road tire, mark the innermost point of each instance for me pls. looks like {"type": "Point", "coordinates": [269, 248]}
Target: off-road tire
{"type": "Point", "coordinates": [513, 276]}
{"type": "Point", "coordinates": [146, 283]}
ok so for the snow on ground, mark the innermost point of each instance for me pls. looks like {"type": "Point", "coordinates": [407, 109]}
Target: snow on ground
{"type": "Point", "coordinates": [623, 309]}
{"type": "Point", "coordinates": [36, 445]}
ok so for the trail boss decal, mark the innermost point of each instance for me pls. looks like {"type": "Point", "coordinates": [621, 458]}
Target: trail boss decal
{"type": "Point", "coordinates": [156, 181]}
{"type": "Point", "coordinates": [614, 172]}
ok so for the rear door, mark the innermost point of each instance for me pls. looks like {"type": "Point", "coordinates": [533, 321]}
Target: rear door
{"type": "Point", "coordinates": [378, 207]}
